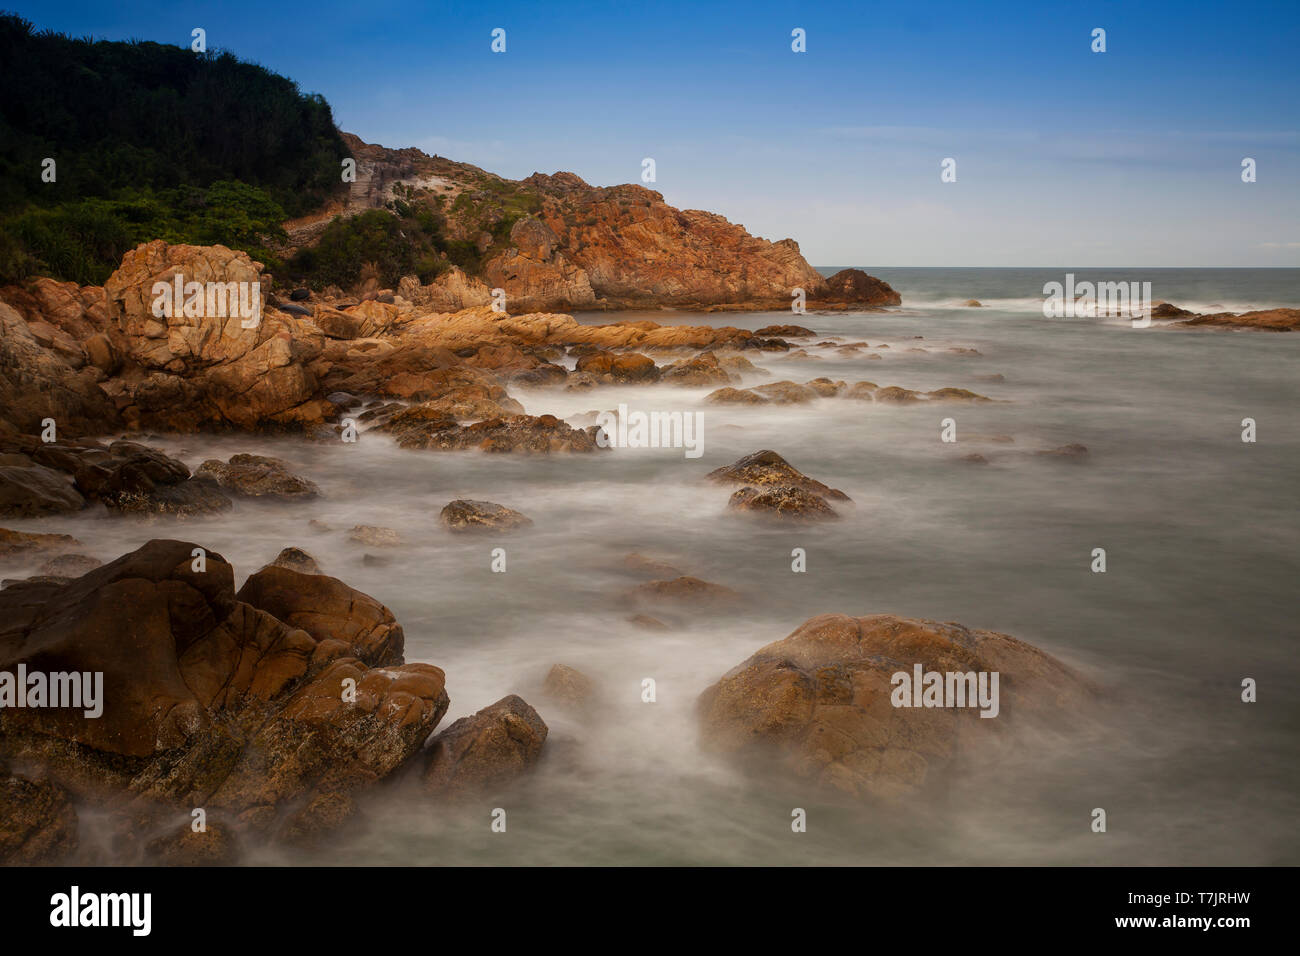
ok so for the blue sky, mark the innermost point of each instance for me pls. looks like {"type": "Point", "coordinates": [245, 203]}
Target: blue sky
{"type": "Point", "coordinates": [1064, 156]}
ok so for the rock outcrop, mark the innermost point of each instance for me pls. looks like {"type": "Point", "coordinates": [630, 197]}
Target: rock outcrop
{"type": "Point", "coordinates": [208, 699]}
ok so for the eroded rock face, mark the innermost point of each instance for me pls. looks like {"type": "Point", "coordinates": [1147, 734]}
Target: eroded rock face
{"type": "Point", "coordinates": [38, 824]}
{"type": "Point", "coordinates": [486, 751]}
{"type": "Point", "coordinates": [535, 274]}
{"type": "Point", "coordinates": [48, 381]}
{"type": "Point", "coordinates": [635, 249]}
{"type": "Point", "coordinates": [817, 705]}
{"type": "Point", "coordinates": [213, 369]}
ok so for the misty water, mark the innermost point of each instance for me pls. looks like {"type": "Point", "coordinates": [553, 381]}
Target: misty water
{"type": "Point", "coordinates": [1200, 531]}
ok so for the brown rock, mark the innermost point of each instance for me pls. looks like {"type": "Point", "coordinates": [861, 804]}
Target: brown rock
{"type": "Point", "coordinates": [818, 703]}
{"type": "Point", "coordinates": [684, 590]}
{"type": "Point", "coordinates": [631, 368]}
{"type": "Point", "coordinates": [70, 565]}
{"type": "Point", "coordinates": [767, 468]}
{"type": "Point", "coordinates": [373, 536]}
{"type": "Point", "coordinates": [525, 434]}
{"type": "Point", "coordinates": [38, 824]}
{"type": "Point", "coordinates": [640, 564]}
{"type": "Point", "coordinates": [296, 559]}
{"type": "Point", "coordinates": [464, 515]}
{"type": "Point", "coordinates": [24, 542]}
{"type": "Point", "coordinates": [569, 687]}
{"type": "Point", "coordinates": [787, 502]}
{"type": "Point", "coordinates": [855, 287]}
{"type": "Point", "coordinates": [255, 476]}
{"type": "Point", "coordinates": [486, 751]}
{"type": "Point", "coordinates": [736, 396]}
{"type": "Point", "coordinates": [703, 369]}
{"type": "Point", "coordinates": [36, 490]}
{"type": "Point", "coordinates": [329, 611]}
{"type": "Point", "coordinates": [184, 846]}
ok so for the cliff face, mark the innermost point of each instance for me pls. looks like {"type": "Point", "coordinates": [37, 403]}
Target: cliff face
{"type": "Point", "coordinates": [638, 251]}
{"type": "Point", "coordinates": [556, 243]}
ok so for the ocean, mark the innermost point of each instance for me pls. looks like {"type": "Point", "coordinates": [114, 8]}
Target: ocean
{"type": "Point", "coordinates": [1199, 527]}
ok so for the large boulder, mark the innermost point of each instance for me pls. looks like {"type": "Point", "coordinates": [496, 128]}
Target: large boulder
{"type": "Point", "coordinates": [207, 700]}
{"type": "Point", "coordinates": [214, 367]}
{"type": "Point", "coordinates": [486, 751]}
{"type": "Point", "coordinates": [819, 704]}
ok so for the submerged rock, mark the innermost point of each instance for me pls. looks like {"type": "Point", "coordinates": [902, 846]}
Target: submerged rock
{"type": "Point", "coordinates": [787, 502]}
{"type": "Point", "coordinates": [256, 476]}
{"type": "Point", "coordinates": [373, 536]}
{"type": "Point", "coordinates": [766, 467]}
{"type": "Point", "coordinates": [703, 369]}
{"type": "Point", "coordinates": [684, 590]}
{"type": "Point", "coordinates": [24, 542]}
{"type": "Point", "coordinates": [640, 564]}
{"type": "Point", "coordinates": [296, 559]}
{"type": "Point", "coordinates": [818, 705]}
{"type": "Point", "coordinates": [1073, 452]}
{"type": "Point", "coordinates": [527, 434]}
{"type": "Point", "coordinates": [466, 516]}
{"type": "Point", "coordinates": [569, 687]}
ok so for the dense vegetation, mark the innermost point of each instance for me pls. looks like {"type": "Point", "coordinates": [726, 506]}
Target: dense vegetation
{"type": "Point", "coordinates": [150, 142]}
